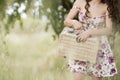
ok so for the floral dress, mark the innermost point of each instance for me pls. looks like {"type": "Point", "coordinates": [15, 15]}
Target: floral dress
{"type": "Point", "coordinates": [105, 65]}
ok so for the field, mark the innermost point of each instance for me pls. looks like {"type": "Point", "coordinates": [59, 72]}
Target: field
{"type": "Point", "coordinates": [34, 56]}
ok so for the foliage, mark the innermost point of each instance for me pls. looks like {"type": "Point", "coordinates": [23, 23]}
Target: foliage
{"type": "Point", "coordinates": [55, 10]}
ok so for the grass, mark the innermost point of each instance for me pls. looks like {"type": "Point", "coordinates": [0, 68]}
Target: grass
{"type": "Point", "coordinates": [35, 57]}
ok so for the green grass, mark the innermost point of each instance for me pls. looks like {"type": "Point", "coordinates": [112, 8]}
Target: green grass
{"type": "Point", "coordinates": [32, 57]}
{"type": "Point", "coordinates": [35, 57]}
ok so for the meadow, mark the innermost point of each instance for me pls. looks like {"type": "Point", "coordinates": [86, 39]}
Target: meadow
{"type": "Point", "coordinates": [33, 55]}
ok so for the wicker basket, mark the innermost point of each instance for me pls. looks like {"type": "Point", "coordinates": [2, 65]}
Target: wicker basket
{"type": "Point", "coordinates": [84, 51]}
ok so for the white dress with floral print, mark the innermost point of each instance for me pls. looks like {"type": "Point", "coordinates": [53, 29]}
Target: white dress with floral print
{"type": "Point", "coordinates": [105, 65]}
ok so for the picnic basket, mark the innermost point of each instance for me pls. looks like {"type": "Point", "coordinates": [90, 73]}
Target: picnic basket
{"type": "Point", "coordinates": [73, 49]}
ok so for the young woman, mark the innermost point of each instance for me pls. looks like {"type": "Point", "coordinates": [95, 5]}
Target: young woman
{"type": "Point", "coordinates": [99, 16]}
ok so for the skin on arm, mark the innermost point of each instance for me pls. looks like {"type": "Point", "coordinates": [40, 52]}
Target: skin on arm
{"type": "Point", "coordinates": [69, 21]}
{"type": "Point", "coordinates": [98, 32]}
{"type": "Point", "coordinates": [103, 31]}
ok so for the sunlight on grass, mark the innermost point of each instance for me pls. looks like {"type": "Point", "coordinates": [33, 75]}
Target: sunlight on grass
{"type": "Point", "coordinates": [35, 57]}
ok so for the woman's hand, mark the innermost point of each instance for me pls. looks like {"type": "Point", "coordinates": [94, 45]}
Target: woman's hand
{"type": "Point", "coordinates": [77, 25]}
{"type": "Point", "coordinates": [84, 35]}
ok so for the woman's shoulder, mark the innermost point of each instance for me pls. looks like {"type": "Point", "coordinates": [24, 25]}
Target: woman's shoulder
{"type": "Point", "coordinates": [105, 6]}
{"type": "Point", "coordinates": [79, 3]}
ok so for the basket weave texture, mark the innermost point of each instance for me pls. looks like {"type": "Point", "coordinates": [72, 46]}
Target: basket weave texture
{"type": "Point", "coordinates": [83, 51]}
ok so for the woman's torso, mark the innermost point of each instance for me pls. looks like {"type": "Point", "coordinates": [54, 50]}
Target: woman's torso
{"type": "Point", "coordinates": [97, 18]}
{"type": "Point", "coordinates": [95, 22]}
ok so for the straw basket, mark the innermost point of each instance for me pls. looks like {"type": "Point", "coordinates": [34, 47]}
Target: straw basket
{"type": "Point", "coordinates": [72, 49]}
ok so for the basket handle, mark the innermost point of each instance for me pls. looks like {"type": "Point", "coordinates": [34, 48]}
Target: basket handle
{"type": "Point", "coordinates": [72, 30]}
{"type": "Point", "coordinates": [77, 32]}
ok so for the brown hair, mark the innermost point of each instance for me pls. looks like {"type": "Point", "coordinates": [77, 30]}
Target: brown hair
{"type": "Point", "coordinates": [113, 9]}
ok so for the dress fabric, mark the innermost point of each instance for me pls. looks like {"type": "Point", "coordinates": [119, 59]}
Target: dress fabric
{"type": "Point", "coordinates": [105, 65]}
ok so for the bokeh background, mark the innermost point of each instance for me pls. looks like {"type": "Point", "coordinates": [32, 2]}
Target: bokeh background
{"type": "Point", "coordinates": [29, 31]}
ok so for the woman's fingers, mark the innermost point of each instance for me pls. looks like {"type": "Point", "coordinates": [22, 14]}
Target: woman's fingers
{"type": "Point", "coordinates": [81, 38]}
{"type": "Point", "coordinates": [84, 40]}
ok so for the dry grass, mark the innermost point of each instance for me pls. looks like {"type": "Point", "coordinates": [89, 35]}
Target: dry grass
{"type": "Point", "coordinates": [35, 57]}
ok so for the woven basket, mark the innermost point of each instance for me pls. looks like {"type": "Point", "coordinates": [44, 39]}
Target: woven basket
{"type": "Point", "coordinates": [84, 51]}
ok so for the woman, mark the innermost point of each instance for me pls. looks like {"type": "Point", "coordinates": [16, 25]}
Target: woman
{"type": "Point", "coordinates": [99, 15]}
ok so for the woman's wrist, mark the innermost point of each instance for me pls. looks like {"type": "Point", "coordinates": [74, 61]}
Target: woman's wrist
{"type": "Point", "coordinates": [76, 21]}
{"type": "Point", "coordinates": [73, 22]}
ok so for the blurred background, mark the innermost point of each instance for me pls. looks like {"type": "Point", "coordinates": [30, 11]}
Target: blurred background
{"type": "Point", "coordinates": [29, 31]}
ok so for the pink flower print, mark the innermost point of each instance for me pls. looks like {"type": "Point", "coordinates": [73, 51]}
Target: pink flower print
{"type": "Point", "coordinates": [99, 67]}
{"type": "Point", "coordinates": [101, 55]}
{"type": "Point", "coordinates": [111, 60]}
{"type": "Point", "coordinates": [103, 45]}
{"type": "Point", "coordinates": [101, 16]}
{"type": "Point", "coordinates": [81, 63]}
{"type": "Point", "coordinates": [113, 71]}
{"type": "Point", "coordinates": [82, 17]}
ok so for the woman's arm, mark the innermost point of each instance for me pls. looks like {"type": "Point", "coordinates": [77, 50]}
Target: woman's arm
{"type": "Point", "coordinates": [97, 32]}
{"type": "Point", "coordinates": [103, 31]}
{"type": "Point", "coordinates": [69, 21]}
